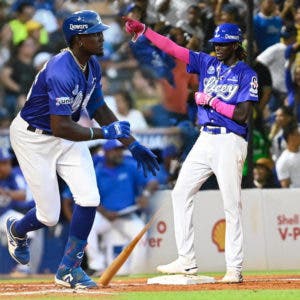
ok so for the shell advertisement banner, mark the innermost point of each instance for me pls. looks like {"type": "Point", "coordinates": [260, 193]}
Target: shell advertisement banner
{"type": "Point", "coordinates": [271, 225]}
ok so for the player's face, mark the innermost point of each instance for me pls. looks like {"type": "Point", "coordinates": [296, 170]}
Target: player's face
{"type": "Point", "coordinates": [93, 43]}
{"type": "Point", "coordinates": [281, 118]}
{"type": "Point", "coordinates": [114, 156]}
{"type": "Point", "coordinates": [224, 51]}
{"type": "Point", "coordinates": [260, 173]}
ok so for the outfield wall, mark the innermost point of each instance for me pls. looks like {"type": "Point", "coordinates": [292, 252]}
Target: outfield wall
{"type": "Point", "coordinates": [271, 221]}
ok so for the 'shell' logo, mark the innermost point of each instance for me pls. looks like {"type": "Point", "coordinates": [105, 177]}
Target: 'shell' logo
{"type": "Point", "coordinates": [218, 234]}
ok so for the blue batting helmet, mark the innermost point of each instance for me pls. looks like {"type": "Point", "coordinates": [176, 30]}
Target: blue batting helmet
{"type": "Point", "coordinates": [227, 33]}
{"type": "Point", "coordinates": [82, 22]}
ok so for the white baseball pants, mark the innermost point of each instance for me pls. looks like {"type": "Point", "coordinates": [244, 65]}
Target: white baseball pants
{"type": "Point", "coordinates": [41, 158]}
{"type": "Point", "coordinates": [223, 155]}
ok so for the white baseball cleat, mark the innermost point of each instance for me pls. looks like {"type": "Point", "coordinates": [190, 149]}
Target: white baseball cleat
{"type": "Point", "coordinates": [176, 267]}
{"type": "Point", "coordinates": [232, 276]}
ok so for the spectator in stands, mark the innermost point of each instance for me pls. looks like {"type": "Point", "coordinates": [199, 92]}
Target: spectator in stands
{"type": "Point", "coordinates": [5, 45]}
{"type": "Point", "coordinates": [38, 33]}
{"type": "Point", "coordinates": [171, 11]}
{"type": "Point", "coordinates": [193, 23]}
{"type": "Point", "coordinates": [292, 79]}
{"type": "Point", "coordinates": [56, 38]}
{"type": "Point", "coordinates": [284, 116]}
{"type": "Point", "coordinates": [45, 14]}
{"type": "Point", "coordinates": [288, 164]}
{"type": "Point", "coordinates": [24, 12]}
{"type": "Point", "coordinates": [274, 58]}
{"type": "Point", "coordinates": [208, 21]}
{"type": "Point", "coordinates": [267, 25]}
{"type": "Point", "coordinates": [17, 76]}
{"type": "Point", "coordinates": [12, 198]}
{"type": "Point", "coordinates": [228, 13]}
{"type": "Point", "coordinates": [288, 10]}
{"type": "Point", "coordinates": [125, 111]}
{"type": "Point", "coordinates": [264, 174]}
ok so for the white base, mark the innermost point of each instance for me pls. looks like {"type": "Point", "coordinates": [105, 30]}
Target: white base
{"type": "Point", "coordinates": [180, 279]}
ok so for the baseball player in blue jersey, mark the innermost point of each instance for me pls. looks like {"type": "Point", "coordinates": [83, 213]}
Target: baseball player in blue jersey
{"type": "Point", "coordinates": [44, 137]}
{"type": "Point", "coordinates": [227, 90]}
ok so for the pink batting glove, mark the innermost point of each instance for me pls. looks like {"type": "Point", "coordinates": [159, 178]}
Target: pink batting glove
{"type": "Point", "coordinates": [203, 98]}
{"type": "Point", "coordinates": [134, 27]}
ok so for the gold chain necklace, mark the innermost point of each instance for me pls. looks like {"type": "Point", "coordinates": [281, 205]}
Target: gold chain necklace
{"type": "Point", "coordinates": [82, 67]}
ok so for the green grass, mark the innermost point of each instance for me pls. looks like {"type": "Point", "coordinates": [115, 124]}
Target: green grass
{"type": "Point", "coordinates": [200, 295]}
{"type": "Point", "coordinates": [216, 295]}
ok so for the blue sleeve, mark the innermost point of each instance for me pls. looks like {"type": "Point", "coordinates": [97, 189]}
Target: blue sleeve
{"type": "Point", "coordinates": [289, 86]}
{"type": "Point", "coordinates": [60, 87]}
{"type": "Point", "coordinates": [198, 62]}
{"type": "Point", "coordinates": [288, 51]}
{"type": "Point", "coordinates": [95, 102]}
{"type": "Point", "coordinates": [96, 99]}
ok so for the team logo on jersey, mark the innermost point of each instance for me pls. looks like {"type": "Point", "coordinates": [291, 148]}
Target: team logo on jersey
{"type": "Point", "coordinates": [63, 100]}
{"type": "Point", "coordinates": [224, 91]}
{"type": "Point", "coordinates": [211, 70]}
{"type": "Point", "coordinates": [253, 86]}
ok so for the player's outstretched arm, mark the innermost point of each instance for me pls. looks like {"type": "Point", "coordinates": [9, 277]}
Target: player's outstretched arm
{"type": "Point", "coordinates": [64, 127]}
{"type": "Point", "coordinates": [137, 29]}
{"type": "Point", "coordinates": [144, 156]}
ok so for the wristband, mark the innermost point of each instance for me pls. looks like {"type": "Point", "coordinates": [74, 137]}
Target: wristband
{"type": "Point", "coordinates": [209, 102]}
{"type": "Point", "coordinates": [91, 132]}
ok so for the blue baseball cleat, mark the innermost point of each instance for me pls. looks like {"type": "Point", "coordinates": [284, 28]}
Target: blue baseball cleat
{"type": "Point", "coordinates": [18, 247]}
{"type": "Point", "coordinates": [74, 278]}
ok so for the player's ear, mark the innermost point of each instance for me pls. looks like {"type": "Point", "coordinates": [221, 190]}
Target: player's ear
{"type": "Point", "coordinates": [235, 46]}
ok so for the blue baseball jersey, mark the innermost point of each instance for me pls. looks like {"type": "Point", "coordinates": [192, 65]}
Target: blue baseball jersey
{"type": "Point", "coordinates": [119, 186]}
{"type": "Point", "coordinates": [12, 182]}
{"type": "Point", "coordinates": [61, 88]}
{"type": "Point", "coordinates": [231, 84]}
{"type": "Point", "coordinates": [266, 30]}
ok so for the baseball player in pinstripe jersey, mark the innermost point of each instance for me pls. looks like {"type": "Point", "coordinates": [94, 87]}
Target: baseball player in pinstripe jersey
{"type": "Point", "coordinates": [227, 90]}
{"type": "Point", "coordinates": [44, 137]}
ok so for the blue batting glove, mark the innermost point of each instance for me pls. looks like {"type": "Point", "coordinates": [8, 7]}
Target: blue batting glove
{"type": "Point", "coordinates": [144, 157]}
{"type": "Point", "coordinates": [118, 129]}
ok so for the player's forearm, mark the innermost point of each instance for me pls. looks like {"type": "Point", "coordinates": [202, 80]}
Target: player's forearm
{"type": "Point", "coordinates": [167, 45]}
{"type": "Point", "coordinates": [64, 127]}
{"type": "Point", "coordinates": [242, 111]}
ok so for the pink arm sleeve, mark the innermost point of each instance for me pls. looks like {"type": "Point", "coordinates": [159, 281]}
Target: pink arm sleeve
{"type": "Point", "coordinates": [223, 108]}
{"type": "Point", "coordinates": [167, 45]}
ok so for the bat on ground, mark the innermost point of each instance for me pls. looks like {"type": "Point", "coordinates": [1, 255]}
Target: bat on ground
{"type": "Point", "coordinates": [117, 263]}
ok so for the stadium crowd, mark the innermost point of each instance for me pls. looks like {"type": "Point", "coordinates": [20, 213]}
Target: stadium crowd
{"type": "Point", "coordinates": [146, 87]}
